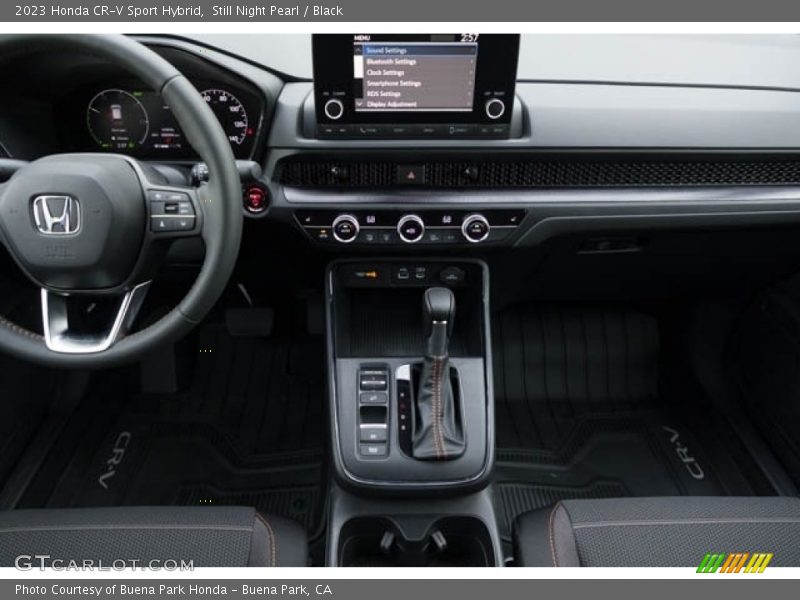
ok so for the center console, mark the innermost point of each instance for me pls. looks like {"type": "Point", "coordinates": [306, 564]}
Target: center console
{"type": "Point", "coordinates": [408, 339]}
{"type": "Point", "coordinates": [411, 407]}
{"type": "Point", "coordinates": [410, 364]}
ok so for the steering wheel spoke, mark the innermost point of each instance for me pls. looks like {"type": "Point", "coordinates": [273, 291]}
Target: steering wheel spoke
{"type": "Point", "coordinates": [60, 336]}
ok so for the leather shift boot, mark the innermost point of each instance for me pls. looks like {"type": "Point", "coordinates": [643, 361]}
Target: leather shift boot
{"type": "Point", "coordinates": [438, 432]}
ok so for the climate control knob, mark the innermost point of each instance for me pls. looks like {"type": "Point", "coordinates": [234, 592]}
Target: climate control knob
{"type": "Point", "coordinates": [334, 109]}
{"type": "Point", "coordinates": [475, 228]}
{"type": "Point", "coordinates": [495, 108]}
{"type": "Point", "coordinates": [410, 228]}
{"type": "Point", "coordinates": [345, 228]}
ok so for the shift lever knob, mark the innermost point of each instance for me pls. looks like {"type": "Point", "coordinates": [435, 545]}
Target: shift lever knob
{"type": "Point", "coordinates": [438, 313]}
{"type": "Point", "coordinates": [438, 305]}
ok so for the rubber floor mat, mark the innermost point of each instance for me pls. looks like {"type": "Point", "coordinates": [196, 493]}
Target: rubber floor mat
{"type": "Point", "coordinates": [298, 503]}
{"type": "Point", "coordinates": [583, 411]}
{"type": "Point", "coordinates": [553, 366]}
{"type": "Point", "coordinates": [26, 392]}
{"type": "Point", "coordinates": [248, 429]}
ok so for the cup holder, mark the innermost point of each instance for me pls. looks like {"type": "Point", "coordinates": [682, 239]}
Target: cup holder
{"type": "Point", "coordinates": [415, 542]}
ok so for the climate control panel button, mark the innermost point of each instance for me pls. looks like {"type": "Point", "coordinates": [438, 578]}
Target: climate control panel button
{"type": "Point", "coordinates": [410, 228]}
{"type": "Point", "coordinates": [345, 229]}
{"type": "Point", "coordinates": [475, 228]}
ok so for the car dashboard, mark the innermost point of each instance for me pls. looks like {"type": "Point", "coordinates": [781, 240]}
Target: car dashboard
{"type": "Point", "coordinates": [512, 164]}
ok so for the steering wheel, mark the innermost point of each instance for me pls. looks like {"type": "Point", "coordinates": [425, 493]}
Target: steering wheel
{"type": "Point", "coordinates": [89, 225]}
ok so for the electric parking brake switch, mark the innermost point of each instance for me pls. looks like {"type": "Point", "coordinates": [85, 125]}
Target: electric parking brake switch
{"type": "Point", "coordinates": [373, 380]}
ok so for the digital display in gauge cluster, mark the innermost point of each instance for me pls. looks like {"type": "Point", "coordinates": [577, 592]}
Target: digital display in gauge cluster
{"type": "Point", "coordinates": [138, 122]}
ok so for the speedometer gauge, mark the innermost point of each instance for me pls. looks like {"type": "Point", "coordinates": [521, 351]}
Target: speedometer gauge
{"type": "Point", "coordinates": [231, 114]}
{"type": "Point", "coordinates": [117, 120]}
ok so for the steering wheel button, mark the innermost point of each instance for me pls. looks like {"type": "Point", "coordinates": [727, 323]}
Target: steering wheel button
{"type": "Point", "coordinates": [162, 224]}
{"type": "Point", "coordinates": [157, 196]}
{"type": "Point", "coordinates": [183, 223]}
{"type": "Point", "coordinates": [185, 208]}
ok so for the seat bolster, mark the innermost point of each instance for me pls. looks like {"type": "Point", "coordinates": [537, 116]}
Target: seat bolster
{"type": "Point", "coordinates": [658, 531]}
{"type": "Point", "coordinates": [277, 542]}
{"type": "Point", "coordinates": [545, 538]}
{"type": "Point", "coordinates": [208, 536]}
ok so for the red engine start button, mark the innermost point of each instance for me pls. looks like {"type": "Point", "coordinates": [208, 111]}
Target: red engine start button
{"type": "Point", "coordinates": [255, 199]}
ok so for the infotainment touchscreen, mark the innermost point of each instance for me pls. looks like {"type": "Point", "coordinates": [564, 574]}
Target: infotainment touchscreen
{"type": "Point", "coordinates": [446, 85]}
{"type": "Point", "coordinates": [414, 76]}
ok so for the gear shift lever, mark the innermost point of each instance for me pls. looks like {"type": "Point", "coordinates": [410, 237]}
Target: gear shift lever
{"type": "Point", "coordinates": [438, 314]}
{"type": "Point", "coordinates": [438, 431]}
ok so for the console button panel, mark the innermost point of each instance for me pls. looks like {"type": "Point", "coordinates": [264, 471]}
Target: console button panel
{"type": "Point", "coordinates": [399, 274]}
{"type": "Point", "coordinates": [373, 411]}
{"type": "Point", "coordinates": [399, 228]}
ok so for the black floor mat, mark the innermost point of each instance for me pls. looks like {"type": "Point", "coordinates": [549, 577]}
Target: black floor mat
{"type": "Point", "coordinates": [26, 393]}
{"type": "Point", "coordinates": [584, 411]}
{"type": "Point", "coordinates": [554, 366]}
{"type": "Point", "coordinates": [249, 430]}
{"type": "Point", "coordinates": [765, 352]}
{"type": "Point", "coordinates": [298, 503]}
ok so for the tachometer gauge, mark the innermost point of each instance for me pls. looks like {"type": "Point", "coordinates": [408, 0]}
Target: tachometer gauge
{"type": "Point", "coordinates": [117, 120]}
{"type": "Point", "coordinates": [231, 114]}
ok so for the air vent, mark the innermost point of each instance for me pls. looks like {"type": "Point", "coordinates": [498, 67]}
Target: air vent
{"type": "Point", "coordinates": [538, 173]}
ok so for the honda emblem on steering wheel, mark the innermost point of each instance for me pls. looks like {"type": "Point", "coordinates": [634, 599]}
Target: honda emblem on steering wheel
{"type": "Point", "coordinates": [57, 215]}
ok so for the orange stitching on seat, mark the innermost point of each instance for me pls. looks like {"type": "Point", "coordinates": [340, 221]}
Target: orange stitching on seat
{"type": "Point", "coordinates": [273, 540]}
{"type": "Point", "coordinates": [552, 534]}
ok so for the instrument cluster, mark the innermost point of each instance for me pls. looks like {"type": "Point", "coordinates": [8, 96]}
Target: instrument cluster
{"type": "Point", "coordinates": [129, 119]}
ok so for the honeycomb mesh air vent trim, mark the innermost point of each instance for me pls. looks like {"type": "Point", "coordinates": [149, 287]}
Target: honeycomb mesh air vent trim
{"type": "Point", "coordinates": [546, 173]}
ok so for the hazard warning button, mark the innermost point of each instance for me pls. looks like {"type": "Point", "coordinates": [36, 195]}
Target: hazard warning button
{"type": "Point", "coordinates": [411, 174]}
